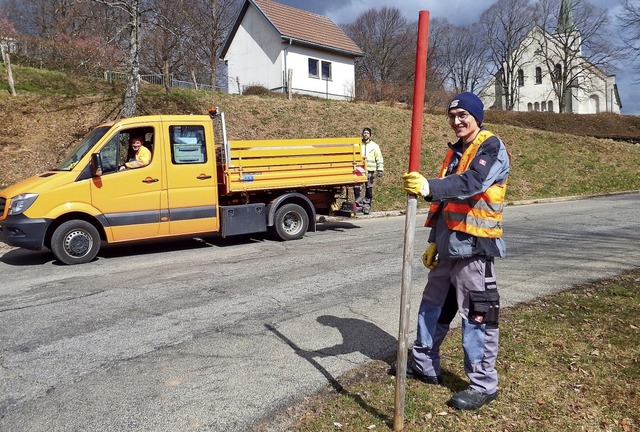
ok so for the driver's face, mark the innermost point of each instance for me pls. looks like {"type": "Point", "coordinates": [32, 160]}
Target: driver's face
{"type": "Point", "coordinates": [136, 143]}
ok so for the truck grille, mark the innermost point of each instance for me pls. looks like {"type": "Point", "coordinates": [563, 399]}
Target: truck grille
{"type": "Point", "coordinates": [3, 202]}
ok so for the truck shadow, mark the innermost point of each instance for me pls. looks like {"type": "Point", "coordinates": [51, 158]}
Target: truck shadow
{"type": "Point", "coordinates": [337, 226]}
{"type": "Point", "coordinates": [25, 257]}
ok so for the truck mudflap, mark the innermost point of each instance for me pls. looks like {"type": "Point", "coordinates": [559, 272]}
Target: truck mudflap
{"type": "Point", "coordinates": [24, 232]}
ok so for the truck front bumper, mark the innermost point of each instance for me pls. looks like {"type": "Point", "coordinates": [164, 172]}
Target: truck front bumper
{"type": "Point", "coordinates": [23, 232]}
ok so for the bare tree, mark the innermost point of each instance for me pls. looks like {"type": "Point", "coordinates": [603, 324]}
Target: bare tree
{"type": "Point", "coordinates": [629, 26]}
{"type": "Point", "coordinates": [573, 47]}
{"type": "Point", "coordinates": [463, 53]}
{"type": "Point", "coordinates": [436, 95]}
{"type": "Point", "coordinates": [165, 39]}
{"type": "Point", "coordinates": [388, 43]}
{"type": "Point", "coordinates": [133, 11]}
{"type": "Point", "coordinates": [209, 21]}
{"type": "Point", "coordinates": [506, 23]}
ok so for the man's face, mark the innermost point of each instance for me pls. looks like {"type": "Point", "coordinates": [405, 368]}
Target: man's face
{"type": "Point", "coordinates": [366, 135]}
{"type": "Point", "coordinates": [464, 125]}
{"type": "Point", "coordinates": [136, 143]}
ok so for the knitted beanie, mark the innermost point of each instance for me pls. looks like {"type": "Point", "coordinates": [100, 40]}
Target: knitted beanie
{"type": "Point", "coordinates": [470, 102]}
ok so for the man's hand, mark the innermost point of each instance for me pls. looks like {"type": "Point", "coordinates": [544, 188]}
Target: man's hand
{"type": "Point", "coordinates": [429, 257]}
{"type": "Point", "coordinates": [415, 184]}
{"type": "Point", "coordinates": [380, 173]}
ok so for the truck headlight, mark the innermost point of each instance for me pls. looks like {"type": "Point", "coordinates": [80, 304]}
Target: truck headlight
{"type": "Point", "coordinates": [21, 203]}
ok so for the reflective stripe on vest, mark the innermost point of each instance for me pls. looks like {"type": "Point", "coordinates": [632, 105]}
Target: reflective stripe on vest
{"type": "Point", "coordinates": [479, 215]}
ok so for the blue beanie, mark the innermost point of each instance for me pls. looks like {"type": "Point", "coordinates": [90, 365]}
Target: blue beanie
{"type": "Point", "coordinates": [470, 102]}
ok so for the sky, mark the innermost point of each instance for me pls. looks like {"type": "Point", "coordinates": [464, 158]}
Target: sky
{"type": "Point", "coordinates": [458, 12]}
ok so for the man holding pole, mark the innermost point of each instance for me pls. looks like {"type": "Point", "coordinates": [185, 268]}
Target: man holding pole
{"type": "Point", "coordinates": [465, 215]}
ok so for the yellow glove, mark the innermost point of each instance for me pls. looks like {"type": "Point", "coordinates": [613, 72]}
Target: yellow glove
{"type": "Point", "coordinates": [429, 257]}
{"type": "Point", "coordinates": [415, 184]}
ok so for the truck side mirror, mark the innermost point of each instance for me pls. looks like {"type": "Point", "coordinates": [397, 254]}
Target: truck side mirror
{"type": "Point", "coordinates": [96, 165]}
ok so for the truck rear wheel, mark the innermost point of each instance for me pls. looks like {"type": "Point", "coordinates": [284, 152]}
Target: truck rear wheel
{"type": "Point", "coordinates": [291, 222]}
{"type": "Point", "coordinates": [75, 242]}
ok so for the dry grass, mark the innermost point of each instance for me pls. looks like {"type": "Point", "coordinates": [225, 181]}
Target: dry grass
{"type": "Point", "coordinates": [52, 111]}
{"type": "Point", "coordinates": [568, 362]}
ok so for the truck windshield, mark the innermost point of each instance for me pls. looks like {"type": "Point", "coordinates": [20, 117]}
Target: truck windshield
{"type": "Point", "coordinates": [85, 145]}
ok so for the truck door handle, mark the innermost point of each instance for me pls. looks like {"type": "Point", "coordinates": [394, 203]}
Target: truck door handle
{"type": "Point", "coordinates": [149, 180]}
{"type": "Point", "coordinates": [203, 177]}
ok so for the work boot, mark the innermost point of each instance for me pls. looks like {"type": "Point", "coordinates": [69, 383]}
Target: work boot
{"type": "Point", "coordinates": [414, 374]}
{"type": "Point", "coordinates": [471, 399]}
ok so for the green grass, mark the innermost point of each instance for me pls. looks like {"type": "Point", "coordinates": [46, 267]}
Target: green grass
{"type": "Point", "coordinates": [568, 362]}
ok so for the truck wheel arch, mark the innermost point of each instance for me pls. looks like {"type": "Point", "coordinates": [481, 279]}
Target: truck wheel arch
{"type": "Point", "coordinates": [71, 216]}
{"type": "Point", "coordinates": [293, 198]}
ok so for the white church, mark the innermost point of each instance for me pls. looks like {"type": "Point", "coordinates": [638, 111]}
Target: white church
{"type": "Point", "coordinates": [589, 90]}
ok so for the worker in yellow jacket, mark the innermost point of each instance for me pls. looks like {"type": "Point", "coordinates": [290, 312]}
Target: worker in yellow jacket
{"type": "Point", "coordinates": [374, 163]}
{"type": "Point", "coordinates": [141, 156]}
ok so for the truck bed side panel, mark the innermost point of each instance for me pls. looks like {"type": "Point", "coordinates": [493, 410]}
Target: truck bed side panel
{"type": "Point", "coordinates": [280, 164]}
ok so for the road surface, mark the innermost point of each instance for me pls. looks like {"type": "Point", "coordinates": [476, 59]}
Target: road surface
{"type": "Point", "coordinates": [216, 335]}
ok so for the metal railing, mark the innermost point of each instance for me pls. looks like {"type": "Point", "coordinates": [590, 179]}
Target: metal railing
{"type": "Point", "coordinates": [157, 79]}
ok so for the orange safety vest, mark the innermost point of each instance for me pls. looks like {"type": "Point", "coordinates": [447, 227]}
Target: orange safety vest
{"type": "Point", "coordinates": [479, 215]}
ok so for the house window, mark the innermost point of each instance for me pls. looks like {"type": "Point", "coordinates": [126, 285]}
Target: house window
{"type": "Point", "coordinates": [520, 77]}
{"type": "Point", "coordinates": [313, 68]}
{"type": "Point", "coordinates": [326, 70]}
{"type": "Point", "coordinates": [538, 75]}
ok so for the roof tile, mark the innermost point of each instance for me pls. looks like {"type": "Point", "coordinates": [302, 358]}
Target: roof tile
{"type": "Point", "coordinates": [306, 27]}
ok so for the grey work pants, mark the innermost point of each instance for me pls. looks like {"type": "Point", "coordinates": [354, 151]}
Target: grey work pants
{"type": "Point", "coordinates": [479, 341]}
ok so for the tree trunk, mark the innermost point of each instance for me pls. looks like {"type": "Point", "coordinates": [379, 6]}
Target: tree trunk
{"type": "Point", "coordinates": [133, 77]}
{"type": "Point", "coordinates": [7, 65]}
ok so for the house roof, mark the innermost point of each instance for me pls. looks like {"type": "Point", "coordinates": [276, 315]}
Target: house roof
{"type": "Point", "coordinates": [300, 27]}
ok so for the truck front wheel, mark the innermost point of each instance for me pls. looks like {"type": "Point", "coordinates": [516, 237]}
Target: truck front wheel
{"type": "Point", "coordinates": [75, 242]}
{"type": "Point", "coordinates": [291, 222]}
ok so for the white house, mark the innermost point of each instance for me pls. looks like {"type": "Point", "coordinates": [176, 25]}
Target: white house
{"type": "Point", "coordinates": [271, 43]}
{"type": "Point", "coordinates": [541, 62]}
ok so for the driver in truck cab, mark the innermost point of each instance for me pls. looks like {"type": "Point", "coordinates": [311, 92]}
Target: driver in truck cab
{"type": "Point", "coordinates": [139, 155]}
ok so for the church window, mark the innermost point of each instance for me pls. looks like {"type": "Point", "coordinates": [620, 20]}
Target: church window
{"type": "Point", "coordinates": [520, 77]}
{"type": "Point", "coordinates": [538, 75]}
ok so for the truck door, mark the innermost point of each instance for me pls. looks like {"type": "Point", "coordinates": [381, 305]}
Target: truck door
{"type": "Point", "coordinates": [129, 199]}
{"type": "Point", "coordinates": [192, 186]}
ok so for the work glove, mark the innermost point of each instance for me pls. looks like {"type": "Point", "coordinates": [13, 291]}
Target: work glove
{"type": "Point", "coordinates": [416, 184]}
{"type": "Point", "coordinates": [429, 257]}
{"type": "Point", "coordinates": [380, 173]}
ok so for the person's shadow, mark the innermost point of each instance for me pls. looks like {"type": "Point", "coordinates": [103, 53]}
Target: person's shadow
{"type": "Point", "coordinates": [357, 336]}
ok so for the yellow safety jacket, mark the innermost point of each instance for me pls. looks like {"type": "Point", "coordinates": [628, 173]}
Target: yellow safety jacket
{"type": "Point", "coordinates": [479, 215]}
{"type": "Point", "coordinates": [373, 156]}
{"type": "Point", "coordinates": [141, 159]}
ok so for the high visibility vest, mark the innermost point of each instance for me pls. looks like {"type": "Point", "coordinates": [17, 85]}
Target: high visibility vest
{"type": "Point", "coordinates": [479, 215]}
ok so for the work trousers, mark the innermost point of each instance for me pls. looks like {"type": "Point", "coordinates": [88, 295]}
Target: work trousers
{"type": "Point", "coordinates": [368, 193]}
{"type": "Point", "coordinates": [448, 290]}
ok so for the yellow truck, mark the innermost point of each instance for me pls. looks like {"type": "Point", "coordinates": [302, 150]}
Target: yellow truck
{"type": "Point", "coordinates": [197, 183]}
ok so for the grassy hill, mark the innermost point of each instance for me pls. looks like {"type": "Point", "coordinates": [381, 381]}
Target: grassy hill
{"type": "Point", "coordinates": [552, 154]}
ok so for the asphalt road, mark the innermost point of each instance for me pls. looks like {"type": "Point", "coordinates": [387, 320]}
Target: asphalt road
{"type": "Point", "coordinates": [212, 335]}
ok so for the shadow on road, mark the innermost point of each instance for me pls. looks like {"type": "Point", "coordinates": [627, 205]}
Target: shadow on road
{"type": "Point", "coordinates": [357, 336]}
